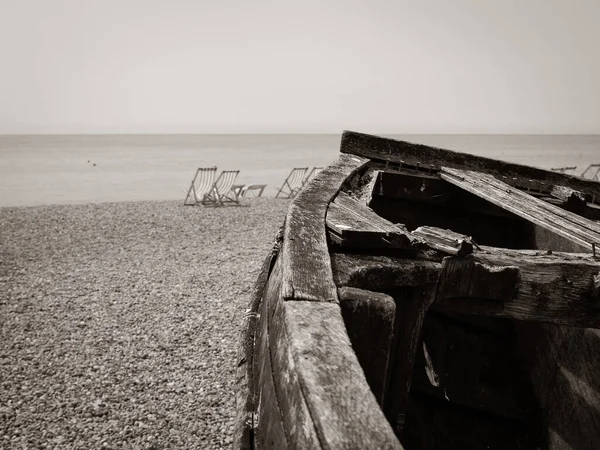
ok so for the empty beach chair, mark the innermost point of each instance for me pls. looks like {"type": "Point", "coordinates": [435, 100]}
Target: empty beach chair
{"type": "Point", "coordinates": [313, 173]}
{"type": "Point", "coordinates": [564, 169]}
{"type": "Point", "coordinates": [293, 183]}
{"type": "Point", "coordinates": [256, 189]}
{"type": "Point", "coordinates": [222, 191]}
{"type": "Point", "coordinates": [592, 172]}
{"type": "Point", "coordinates": [202, 184]}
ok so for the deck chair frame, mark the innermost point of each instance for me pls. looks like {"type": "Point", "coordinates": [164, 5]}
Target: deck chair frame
{"type": "Point", "coordinates": [222, 191]}
{"type": "Point", "coordinates": [201, 184]}
{"type": "Point", "coordinates": [593, 175]}
{"type": "Point", "coordinates": [293, 183]}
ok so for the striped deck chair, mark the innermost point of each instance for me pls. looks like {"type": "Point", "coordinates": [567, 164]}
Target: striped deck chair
{"type": "Point", "coordinates": [222, 191]}
{"type": "Point", "coordinates": [293, 183]}
{"type": "Point", "coordinates": [564, 169]}
{"type": "Point", "coordinates": [591, 172]}
{"type": "Point", "coordinates": [202, 184]}
{"type": "Point", "coordinates": [313, 173]}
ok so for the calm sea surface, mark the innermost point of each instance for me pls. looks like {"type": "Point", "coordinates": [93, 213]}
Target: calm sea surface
{"type": "Point", "coordinates": [36, 170]}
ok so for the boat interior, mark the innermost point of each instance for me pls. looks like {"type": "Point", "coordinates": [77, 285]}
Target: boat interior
{"type": "Point", "coordinates": [425, 299]}
{"type": "Point", "coordinates": [454, 360]}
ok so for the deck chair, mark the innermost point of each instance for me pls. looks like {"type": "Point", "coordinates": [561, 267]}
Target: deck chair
{"type": "Point", "coordinates": [564, 169]}
{"type": "Point", "coordinates": [202, 184]}
{"type": "Point", "coordinates": [293, 183]}
{"type": "Point", "coordinates": [222, 190]}
{"type": "Point", "coordinates": [313, 173]}
{"type": "Point", "coordinates": [591, 172]}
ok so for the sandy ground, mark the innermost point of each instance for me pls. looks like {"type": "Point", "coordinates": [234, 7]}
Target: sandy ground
{"type": "Point", "coordinates": [119, 321]}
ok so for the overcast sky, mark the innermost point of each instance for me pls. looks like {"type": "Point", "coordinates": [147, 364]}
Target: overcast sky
{"type": "Point", "coordinates": [194, 66]}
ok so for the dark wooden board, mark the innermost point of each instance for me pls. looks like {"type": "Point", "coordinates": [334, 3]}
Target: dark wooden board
{"type": "Point", "coordinates": [374, 272]}
{"type": "Point", "coordinates": [556, 288]}
{"type": "Point", "coordinates": [412, 304]}
{"type": "Point", "coordinates": [270, 418]}
{"type": "Point", "coordinates": [578, 229]}
{"type": "Point", "coordinates": [369, 318]}
{"type": "Point", "coordinates": [390, 150]}
{"type": "Point", "coordinates": [307, 267]}
{"type": "Point", "coordinates": [246, 383]}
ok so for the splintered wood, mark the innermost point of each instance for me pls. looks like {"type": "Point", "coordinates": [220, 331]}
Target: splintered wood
{"type": "Point", "coordinates": [352, 224]}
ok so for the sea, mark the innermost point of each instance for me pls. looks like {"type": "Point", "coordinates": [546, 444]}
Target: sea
{"type": "Point", "coordinates": [75, 169]}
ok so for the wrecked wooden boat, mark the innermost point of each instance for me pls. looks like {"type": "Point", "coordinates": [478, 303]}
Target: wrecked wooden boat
{"type": "Point", "coordinates": [421, 298]}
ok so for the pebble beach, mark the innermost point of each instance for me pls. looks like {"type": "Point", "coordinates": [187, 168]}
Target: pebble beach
{"type": "Point", "coordinates": [119, 321]}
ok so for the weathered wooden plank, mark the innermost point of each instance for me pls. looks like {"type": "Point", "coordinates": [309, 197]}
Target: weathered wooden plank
{"type": "Point", "coordinates": [566, 194]}
{"type": "Point", "coordinates": [411, 306]}
{"type": "Point", "coordinates": [390, 150]}
{"type": "Point", "coordinates": [369, 318]}
{"type": "Point", "coordinates": [546, 207]}
{"type": "Point", "coordinates": [374, 272]}
{"type": "Point", "coordinates": [307, 267]}
{"type": "Point", "coordinates": [524, 285]}
{"type": "Point", "coordinates": [297, 421]}
{"type": "Point", "coordinates": [344, 409]}
{"type": "Point", "coordinates": [269, 420]}
{"type": "Point", "coordinates": [244, 426]}
{"type": "Point", "coordinates": [446, 241]}
{"type": "Point", "coordinates": [357, 226]}
{"type": "Point", "coordinates": [582, 231]}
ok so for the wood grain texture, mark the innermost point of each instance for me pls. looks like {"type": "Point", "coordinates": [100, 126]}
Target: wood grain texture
{"type": "Point", "coordinates": [412, 303]}
{"type": "Point", "coordinates": [390, 150]}
{"type": "Point", "coordinates": [369, 318]}
{"type": "Point", "coordinates": [354, 225]}
{"type": "Point", "coordinates": [297, 421]}
{"type": "Point", "coordinates": [373, 272]}
{"type": "Point", "coordinates": [555, 288]}
{"type": "Point", "coordinates": [344, 409]}
{"type": "Point", "coordinates": [578, 229]}
{"type": "Point", "coordinates": [269, 421]}
{"type": "Point", "coordinates": [307, 266]}
{"type": "Point", "coordinates": [445, 241]}
{"type": "Point", "coordinates": [243, 434]}
{"type": "Point", "coordinates": [566, 194]}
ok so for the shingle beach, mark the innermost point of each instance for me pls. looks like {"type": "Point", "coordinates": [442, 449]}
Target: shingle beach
{"type": "Point", "coordinates": [119, 321]}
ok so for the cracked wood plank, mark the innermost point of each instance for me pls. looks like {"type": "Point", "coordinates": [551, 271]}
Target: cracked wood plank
{"type": "Point", "coordinates": [307, 266]}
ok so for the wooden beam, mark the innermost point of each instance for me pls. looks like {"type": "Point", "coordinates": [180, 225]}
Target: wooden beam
{"type": "Point", "coordinates": [354, 225]}
{"type": "Point", "coordinates": [307, 267]}
{"type": "Point", "coordinates": [381, 273]}
{"type": "Point", "coordinates": [524, 285]}
{"type": "Point", "coordinates": [369, 319]}
{"type": "Point", "coordinates": [582, 231]}
{"type": "Point", "coordinates": [245, 425]}
{"type": "Point", "coordinates": [445, 241]}
{"type": "Point", "coordinates": [433, 158]}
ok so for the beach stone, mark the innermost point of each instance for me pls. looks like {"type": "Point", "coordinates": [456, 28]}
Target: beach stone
{"type": "Point", "coordinates": [125, 313]}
